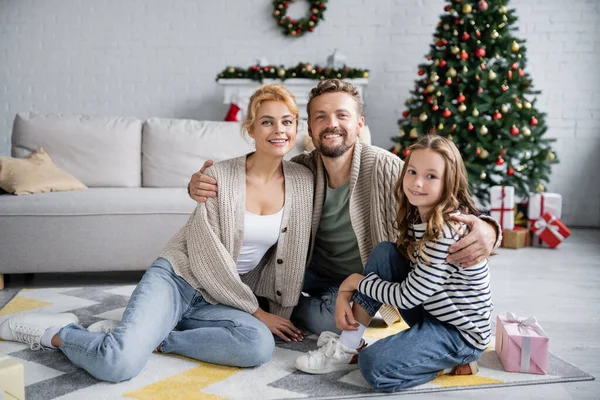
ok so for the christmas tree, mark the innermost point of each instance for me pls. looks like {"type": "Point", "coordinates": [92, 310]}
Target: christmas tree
{"type": "Point", "coordinates": [474, 89]}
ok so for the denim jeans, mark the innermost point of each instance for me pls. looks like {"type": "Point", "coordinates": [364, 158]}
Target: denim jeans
{"type": "Point", "coordinates": [161, 302]}
{"type": "Point", "coordinates": [316, 312]}
{"type": "Point", "coordinates": [414, 356]}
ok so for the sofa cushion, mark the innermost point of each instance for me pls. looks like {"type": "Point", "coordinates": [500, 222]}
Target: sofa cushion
{"type": "Point", "coordinates": [100, 201]}
{"type": "Point", "coordinates": [99, 151]}
{"type": "Point", "coordinates": [35, 174]}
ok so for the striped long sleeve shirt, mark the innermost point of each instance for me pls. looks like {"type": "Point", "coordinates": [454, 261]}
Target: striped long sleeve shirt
{"type": "Point", "coordinates": [456, 296]}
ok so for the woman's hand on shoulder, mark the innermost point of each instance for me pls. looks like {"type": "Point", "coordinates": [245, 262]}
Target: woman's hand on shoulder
{"type": "Point", "coordinates": [279, 326]}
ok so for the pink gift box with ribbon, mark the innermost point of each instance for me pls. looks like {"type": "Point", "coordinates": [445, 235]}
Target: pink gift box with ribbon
{"type": "Point", "coordinates": [521, 344]}
{"type": "Point", "coordinates": [551, 230]}
{"type": "Point", "coordinates": [502, 199]}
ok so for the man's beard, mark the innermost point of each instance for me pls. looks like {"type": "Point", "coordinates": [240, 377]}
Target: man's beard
{"type": "Point", "coordinates": [334, 151]}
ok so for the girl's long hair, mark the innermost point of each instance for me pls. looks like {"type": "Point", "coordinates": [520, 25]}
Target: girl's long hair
{"type": "Point", "coordinates": [455, 196]}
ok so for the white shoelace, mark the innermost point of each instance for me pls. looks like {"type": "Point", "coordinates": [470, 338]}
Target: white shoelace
{"type": "Point", "coordinates": [28, 335]}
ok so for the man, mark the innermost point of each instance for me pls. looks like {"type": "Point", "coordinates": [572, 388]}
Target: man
{"type": "Point", "coordinates": [354, 206]}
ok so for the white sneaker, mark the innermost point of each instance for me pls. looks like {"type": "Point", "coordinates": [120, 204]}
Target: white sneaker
{"type": "Point", "coordinates": [29, 328]}
{"type": "Point", "coordinates": [331, 356]}
{"type": "Point", "coordinates": [104, 326]}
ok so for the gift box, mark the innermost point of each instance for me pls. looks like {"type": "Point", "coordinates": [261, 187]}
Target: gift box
{"type": "Point", "coordinates": [521, 344]}
{"type": "Point", "coordinates": [539, 203]}
{"type": "Point", "coordinates": [12, 384]}
{"type": "Point", "coordinates": [515, 238]}
{"type": "Point", "coordinates": [521, 214]}
{"type": "Point", "coordinates": [502, 199]}
{"type": "Point", "coordinates": [551, 230]}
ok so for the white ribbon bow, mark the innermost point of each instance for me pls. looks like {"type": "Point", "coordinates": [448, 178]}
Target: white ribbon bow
{"type": "Point", "coordinates": [524, 324]}
{"type": "Point", "coordinates": [541, 224]}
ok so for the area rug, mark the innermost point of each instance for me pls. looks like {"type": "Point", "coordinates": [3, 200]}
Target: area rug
{"type": "Point", "coordinates": [49, 374]}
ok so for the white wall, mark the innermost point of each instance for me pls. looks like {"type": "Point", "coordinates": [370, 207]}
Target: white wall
{"type": "Point", "coordinates": [158, 58]}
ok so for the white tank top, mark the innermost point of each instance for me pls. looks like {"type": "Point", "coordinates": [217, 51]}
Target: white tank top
{"type": "Point", "coordinates": [260, 233]}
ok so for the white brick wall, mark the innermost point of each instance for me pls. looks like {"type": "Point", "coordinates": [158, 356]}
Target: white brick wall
{"type": "Point", "coordinates": [157, 58]}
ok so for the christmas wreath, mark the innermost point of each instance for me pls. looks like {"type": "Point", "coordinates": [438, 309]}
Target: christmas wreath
{"type": "Point", "coordinates": [302, 70]}
{"type": "Point", "coordinates": [293, 27]}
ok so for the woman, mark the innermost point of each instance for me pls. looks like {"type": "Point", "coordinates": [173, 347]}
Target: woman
{"type": "Point", "coordinates": [228, 280]}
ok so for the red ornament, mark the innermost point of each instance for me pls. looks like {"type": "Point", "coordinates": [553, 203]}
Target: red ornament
{"type": "Point", "coordinates": [482, 5]}
{"type": "Point", "coordinates": [266, 69]}
{"type": "Point", "coordinates": [477, 33]}
{"type": "Point", "coordinates": [496, 116]}
{"type": "Point", "coordinates": [470, 127]}
{"type": "Point", "coordinates": [314, 17]}
{"type": "Point", "coordinates": [288, 19]}
{"type": "Point", "coordinates": [477, 78]}
{"type": "Point", "coordinates": [478, 151]}
{"type": "Point", "coordinates": [406, 152]}
{"type": "Point", "coordinates": [464, 55]}
{"type": "Point", "coordinates": [504, 88]}
{"type": "Point", "coordinates": [443, 63]}
{"type": "Point", "coordinates": [502, 152]}
{"type": "Point", "coordinates": [453, 127]}
{"type": "Point", "coordinates": [446, 113]}
{"type": "Point", "coordinates": [510, 171]}
{"type": "Point", "coordinates": [298, 31]}
{"type": "Point", "coordinates": [321, 6]}
{"type": "Point", "coordinates": [465, 37]}
{"type": "Point", "coordinates": [514, 131]}
{"type": "Point", "coordinates": [286, 5]}
{"type": "Point", "coordinates": [430, 100]}
{"type": "Point", "coordinates": [405, 114]}
{"type": "Point", "coordinates": [310, 29]}
{"type": "Point", "coordinates": [421, 72]}
{"type": "Point", "coordinates": [533, 121]}
{"type": "Point", "coordinates": [500, 161]}
{"type": "Point", "coordinates": [435, 107]}
{"type": "Point", "coordinates": [480, 90]}
{"type": "Point", "coordinates": [319, 70]}
{"type": "Point", "coordinates": [480, 52]}
{"type": "Point", "coordinates": [514, 66]}
{"type": "Point", "coordinates": [448, 81]}
{"type": "Point", "coordinates": [439, 43]}
{"type": "Point", "coordinates": [461, 98]}
{"type": "Point", "coordinates": [509, 74]}
{"type": "Point", "coordinates": [483, 66]}
{"type": "Point", "coordinates": [521, 72]}
{"type": "Point", "coordinates": [447, 8]}
{"type": "Point", "coordinates": [458, 21]}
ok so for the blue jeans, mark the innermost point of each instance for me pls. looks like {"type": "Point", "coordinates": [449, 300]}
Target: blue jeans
{"type": "Point", "coordinates": [316, 313]}
{"type": "Point", "coordinates": [161, 302]}
{"type": "Point", "coordinates": [414, 356]}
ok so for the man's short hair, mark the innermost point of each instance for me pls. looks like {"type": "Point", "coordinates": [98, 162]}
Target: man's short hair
{"type": "Point", "coordinates": [334, 86]}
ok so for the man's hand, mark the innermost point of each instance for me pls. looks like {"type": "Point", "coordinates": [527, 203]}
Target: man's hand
{"type": "Point", "coordinates": [279, 326]}
{"type": "Point", "coordinates": [474, 247]}
{"type": "Point", "coordinates": [350, 284]}
{"type": "Point", "coordinates": [201, 187]}
{"type": "Point", "coordinates": [344, 319]}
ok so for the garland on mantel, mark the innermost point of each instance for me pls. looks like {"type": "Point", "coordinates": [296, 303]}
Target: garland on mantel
{"type": "Point", "coordinates": [293, 27]}
{"type": "Point", "coordinates": [302, 70]}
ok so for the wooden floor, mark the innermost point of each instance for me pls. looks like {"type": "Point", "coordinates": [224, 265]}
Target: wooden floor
{"type": "Point", "coordinates": [560, 287]}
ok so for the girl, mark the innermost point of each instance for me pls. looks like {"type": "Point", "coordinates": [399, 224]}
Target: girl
{"type": "Point", "coordinates": [228, 280]}
{"type": "Point", "coordinates": [447, 308]}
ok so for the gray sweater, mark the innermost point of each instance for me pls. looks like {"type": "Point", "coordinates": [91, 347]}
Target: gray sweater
{"type": "Point", "coordinates": [205, 251]}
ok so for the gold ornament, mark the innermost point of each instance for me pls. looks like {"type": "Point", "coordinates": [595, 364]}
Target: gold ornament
{"type": "Point", "coordinates": [484, 154]}
{"type": "Point", "coordinates": [430, 88]}
{"type": "Point", "coordinates": [483, 130]}
{"type": "Point", "coordinates": [423, 117]}
{"type": "Point", "coordinates": [455, 50]}
{"type": "Point", "coordinates": [450, 137]}
{"type": "Point", "coordinates": [452, 72]}
{"type": "Point", "coordinates": [315, 11]}
{"type": "Point", "coordinates": [446, 27]}
{"type": "Point", "coordinates": [504, 108]}
{"type": "Point", "coordinates": [528, 154]}
{"type": "Point", "coordinates": [280, 72]}
{"type": "Point", "coordinates": [504, 18]}
{"type": "Point", "coordinates": [455, 33]}
{"type": "Point", "coordinates": [366, 74]}
{"type": "Point", "coordinates": [519, 105]}
{"type": "Point", "coordinates": [502, 10]}
{"type": "Point", "coordinates": [465, 69]}
{"type": "Point", "coordinates": [495, 34]}
{"type": "Point", "coordinates": [311, 23]}
{"type": "Point", "coordinates": [440, 127]}
{"type": "Point", "coordinates": [483, 175]}
{"type": "Point", "coordinates": [500, 26]}
{"type": "Point", "coordinates": [434, 77]}
{"type": "Point", "coordinates": [492, 75]}
{"type": "Point", "coordinates": [467, 8]}
{"type": "Point", "coordinates": [515, 46]}
{"type": "Point", "coordinates": [413, 134]}
{"type": "Point", "coordinates": [438, 93]}
{"type": "Point", "coordinates": [475, 112]}
{"type": "Point", "coordinates": [436, 62]}
{"type": "Point", "coordinates": [276, 13]}
{"type": "Point", "coordinates": [540, 188]}
{"type": "Point", "coordinates": [401, 134]}
{"type": "Point", "coordinates": [231, 70]}
{"type": "Point", "coordinates": [527, 104]}
{"type": "Point", "coordinates": [526, 132]}
{"type": "Point", "coordinates": [462, 108]}
{"type": "Point", "coordinates": [293, 33]}
{"type": "Point", "coordinates": [308, 67]}
{"type": "Point", "coordinates": [550, 156]}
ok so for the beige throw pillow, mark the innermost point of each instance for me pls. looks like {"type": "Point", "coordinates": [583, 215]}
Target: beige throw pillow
{"type": "Point", "coordinates": [365, 137]}
{"type": "Point", "coordinates": [35, 174]}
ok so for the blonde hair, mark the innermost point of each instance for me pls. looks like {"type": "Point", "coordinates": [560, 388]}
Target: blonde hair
{"type": "Point", "coordinates": [455, 196]}
{"type": "Point", "coordinates": [334, 86]}
{"type": "Point", "coordinates": [268, 92]}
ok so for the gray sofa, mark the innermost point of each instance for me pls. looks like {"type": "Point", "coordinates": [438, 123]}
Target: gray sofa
{"type": "Point", "coordinates": [136, 172]}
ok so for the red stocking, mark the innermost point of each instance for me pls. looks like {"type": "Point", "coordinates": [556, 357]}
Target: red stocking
{"type": "Point", "coordinates": [232, 114]}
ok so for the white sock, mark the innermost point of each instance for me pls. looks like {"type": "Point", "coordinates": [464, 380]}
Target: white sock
{"type": "Point", "coordinates": [46, 339]}
{"type": "Point", "coordinates": [447, 371]}
{"type": "Point", "coordinates": [352, 339]}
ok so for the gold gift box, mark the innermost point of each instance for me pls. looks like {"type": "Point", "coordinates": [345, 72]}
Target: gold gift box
{"type": "Point", "coordinates": [12, 383]}
{"type": "Point", "coordinates": [515, 238]}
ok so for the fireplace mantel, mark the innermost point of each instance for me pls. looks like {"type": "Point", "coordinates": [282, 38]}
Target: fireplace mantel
{"type": "Point", "coordinates": [238, 91]}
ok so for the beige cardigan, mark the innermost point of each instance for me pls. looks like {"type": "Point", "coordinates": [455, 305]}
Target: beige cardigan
{"type": "Point", "coordinates": [205, 251]}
